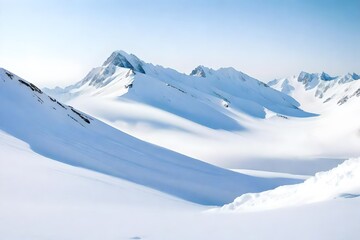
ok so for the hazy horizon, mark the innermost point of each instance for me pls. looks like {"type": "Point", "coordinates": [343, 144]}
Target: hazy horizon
{"type": "Point", "coordinates": [58, 42]}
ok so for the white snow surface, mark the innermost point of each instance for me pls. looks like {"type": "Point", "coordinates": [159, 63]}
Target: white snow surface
{"type": "Point", "coordinates": [65, 134]}
{"type": "Point", "coordinates": [66, 175]}
{"type": "Point", "coordinates": [45, 199]}
{"type": "Point", "coordinates": [340, 182]}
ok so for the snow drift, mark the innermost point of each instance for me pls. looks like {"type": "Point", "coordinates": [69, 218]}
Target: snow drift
{"type": "Point", "coordinates": [340, 182]}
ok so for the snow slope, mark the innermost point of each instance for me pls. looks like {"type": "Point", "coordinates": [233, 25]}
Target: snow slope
{"type": "Point", "coordinates": [320, 91]}
{"type": "Point", "coordinates": [45, 199]}
{"type": "Point", "coordinates": [340, 182]}
{"type": "Point", "coordinates": [65, 134]}
{"type": "Point", "coordinates": [211, 98]}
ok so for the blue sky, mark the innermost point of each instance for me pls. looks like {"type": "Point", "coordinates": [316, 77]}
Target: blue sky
{"type": "Point", "coordinates": [56, 42]}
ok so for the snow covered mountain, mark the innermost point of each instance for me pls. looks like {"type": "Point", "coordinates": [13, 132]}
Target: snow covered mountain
{"type": "Point", "coordinates": [63, 133]}
{"type": "Point", "coordinates": [223, 117]}
{"type": "Point", "coordinates": [319, 91]}
{"type": "Point", "coordinates": [212, 98]}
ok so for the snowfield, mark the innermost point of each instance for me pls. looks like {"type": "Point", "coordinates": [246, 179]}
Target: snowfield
{"type": "Point", "coordinates": [45, 199]}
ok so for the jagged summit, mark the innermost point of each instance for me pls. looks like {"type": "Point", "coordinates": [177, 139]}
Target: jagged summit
{"type": "Point", "coordinates": [314, 89]}
{"type": "Point", "coordinates": [326, 77]}
{"type": "Point", "coordinates": [199, 71]}
{"type": "Point", "coordinates": [122, 59]}
{"type": "Point", "coordinates": [352, 76]}
{"type": "Point", "coordinates": [355, 76]}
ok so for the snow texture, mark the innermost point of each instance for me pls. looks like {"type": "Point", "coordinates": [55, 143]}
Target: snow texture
{"type": "Point", "coordinates": [340, 182]}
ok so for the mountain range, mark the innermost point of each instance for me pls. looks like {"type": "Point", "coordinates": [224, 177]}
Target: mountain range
{"type": "Point", "coordinates": [134, 146]}
{"type": "Point", "coordinates": [224, 116]}
{"type": "Point", "coordinates": [320, 91]}
{"type": "Point", "coordinates": [212, 98]}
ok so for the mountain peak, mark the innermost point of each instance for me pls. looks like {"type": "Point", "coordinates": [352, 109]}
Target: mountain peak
{"type": "Point", "coordinates": [315, 76]}
{"type": "Point", "coordinates": [326, 77]}
{"type": "Point", "coordinates": [355, 76]}
{"type": "Point", "coordinates": [199, 71]}
{"type": "Point", "coordinates": [122, 59]}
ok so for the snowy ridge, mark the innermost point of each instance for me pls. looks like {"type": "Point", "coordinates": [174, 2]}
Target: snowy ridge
{"type": "Point", "coordinates": [62, 133]}
{"type": "Point", "coordinates": [340, 182]}
{"type": "Point", "coordinates": [218, 98]}
{"type": "Point", "coordinates": [72, 113]}
{"type": "Point", "coordinates": [320, 88]}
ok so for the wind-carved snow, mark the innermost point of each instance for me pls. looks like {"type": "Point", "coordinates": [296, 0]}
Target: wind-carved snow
{"type": "Point", "coordinates": [340, 182]}
{"type": "Point", "coordinates": [213, 98]}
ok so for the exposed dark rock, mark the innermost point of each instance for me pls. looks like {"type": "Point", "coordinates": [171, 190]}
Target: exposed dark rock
{"type": "Point", "coordinates": [223, 98]}
{"type": "Point", "coordinates": [328, 99]}
{"type": "Point", "coordinates": [61, 105]}
{"type": "Point", "coordinates": [81, 115]}
{"type": "Point", "coordinates": [198, 71]}
{"type": "Point", "coordinates": [343, 100]}
{"type": "Point", "coordinates": [52, 99]}
{"type": "Point", "coordinates": [129, 85]}
{"type": "Point", "coordinates": [31, 86]}
{"type": "Point", "coordinates": [39, 99]}
{"type": "Point", "coordinates": [357, 93]}
{"type": "Point", "coordinates": [180, 90]}
{"type": "Point", "coordinates": [10, 75]}
{"type": "Point", "coordinates": [74, 119]}
{"type": "Point", "coordinates": [281, 116]}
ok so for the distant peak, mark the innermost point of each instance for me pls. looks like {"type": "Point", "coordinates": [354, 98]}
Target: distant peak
{"type": "Point", "coordinates": [303, 73]}
{"type": "Point", "coordinates": [326, 77]}
{"type": "Point", "coordinates": [355, 76]}
{"type": "Point", "coordinates": [321, 76]}
{"type": "Point", "coordinates": [122, 59]}
{"type": "Point", "coordinates": [273, 82]}
{"type": "Point", "coordinates": [199, 71]}
{"type": "Point", "coordinates": [229, 69]}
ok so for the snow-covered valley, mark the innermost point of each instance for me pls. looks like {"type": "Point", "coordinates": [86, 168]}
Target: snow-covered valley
{"type": "Point", "coordinates": [91, 161]}
{"type": "Point", "coordinates": [45, 199]}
